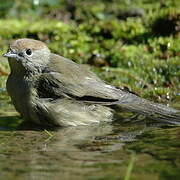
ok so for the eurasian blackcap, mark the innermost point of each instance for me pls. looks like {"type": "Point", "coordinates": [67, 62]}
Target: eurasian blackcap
{"type": "Point", "coordinates": [50, 90]}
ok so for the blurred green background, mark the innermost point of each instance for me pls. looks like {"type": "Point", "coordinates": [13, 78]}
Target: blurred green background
{"type": "Point", "coordinates": [132, 44]}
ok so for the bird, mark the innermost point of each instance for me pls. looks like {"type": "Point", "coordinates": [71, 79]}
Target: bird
{"type": "Point", "coordinates": [50, 90]}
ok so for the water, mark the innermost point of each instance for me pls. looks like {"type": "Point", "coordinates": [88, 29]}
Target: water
{"type": "Point", "coordinates": [139, 150]}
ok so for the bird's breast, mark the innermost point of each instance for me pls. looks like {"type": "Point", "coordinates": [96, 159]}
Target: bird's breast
{"type": "Point", "coordinates": [19, 89]}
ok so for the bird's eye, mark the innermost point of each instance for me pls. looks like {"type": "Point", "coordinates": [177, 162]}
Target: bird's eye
{"type": "Point", "coordinates": [28, 52]}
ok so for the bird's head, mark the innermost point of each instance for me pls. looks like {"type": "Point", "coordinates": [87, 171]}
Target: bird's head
{"type": "Point", "coordinates": [28, 54]}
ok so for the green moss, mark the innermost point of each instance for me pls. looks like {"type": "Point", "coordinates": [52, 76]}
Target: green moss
{"type": "Point", "coordinates": [125, 49]}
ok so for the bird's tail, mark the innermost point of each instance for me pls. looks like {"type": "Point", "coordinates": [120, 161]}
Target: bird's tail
{"type": "Point", "coordinates": [152, 110]}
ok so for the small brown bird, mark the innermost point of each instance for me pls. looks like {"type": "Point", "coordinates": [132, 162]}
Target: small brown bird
{"type": "Point", "coordinates": [50, 90]}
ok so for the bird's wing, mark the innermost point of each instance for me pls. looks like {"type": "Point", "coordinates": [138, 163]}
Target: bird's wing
{"type": "Point", "coordinates": [64, 78]}
{"type": "Point", "coordinates": [67, 78]}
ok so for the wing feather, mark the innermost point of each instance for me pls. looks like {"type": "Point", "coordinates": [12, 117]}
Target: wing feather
{"type": "Point", "coordinates": [69, 79]}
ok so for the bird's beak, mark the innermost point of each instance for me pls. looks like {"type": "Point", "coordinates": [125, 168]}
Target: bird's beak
{"type": "Point", "coordinates": [10, 54]}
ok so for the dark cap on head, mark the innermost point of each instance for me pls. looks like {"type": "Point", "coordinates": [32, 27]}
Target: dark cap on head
{"type": "Point", "coordinates": [27, 44]}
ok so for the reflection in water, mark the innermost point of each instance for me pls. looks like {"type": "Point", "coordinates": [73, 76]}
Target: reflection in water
{"type": "Point", "coordinates": [36, 155]}
{"type": "Point", "coordinates": [79, 152]}
{"type": "Point", "coordinates": [87, 152]}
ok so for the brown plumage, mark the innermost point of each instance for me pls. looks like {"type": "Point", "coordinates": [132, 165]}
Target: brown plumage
{"type": "Point", "coordinates": [26, 44]}
{"type": "Point", "coordinates": [49, 89]}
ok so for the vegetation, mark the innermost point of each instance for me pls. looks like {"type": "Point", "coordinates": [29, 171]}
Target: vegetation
{"type": "Point", "coordinates": [130, 44]}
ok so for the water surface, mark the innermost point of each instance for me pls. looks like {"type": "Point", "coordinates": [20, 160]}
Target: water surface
{"type": "Point", "coordinates": [138, 150]}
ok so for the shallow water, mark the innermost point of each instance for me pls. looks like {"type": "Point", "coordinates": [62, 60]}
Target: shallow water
{"type": "Point", "coordinates": [139, 150]}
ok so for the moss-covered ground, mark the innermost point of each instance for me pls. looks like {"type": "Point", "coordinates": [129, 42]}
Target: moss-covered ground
{"type": "Point", "coordinates": [130, 44]}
